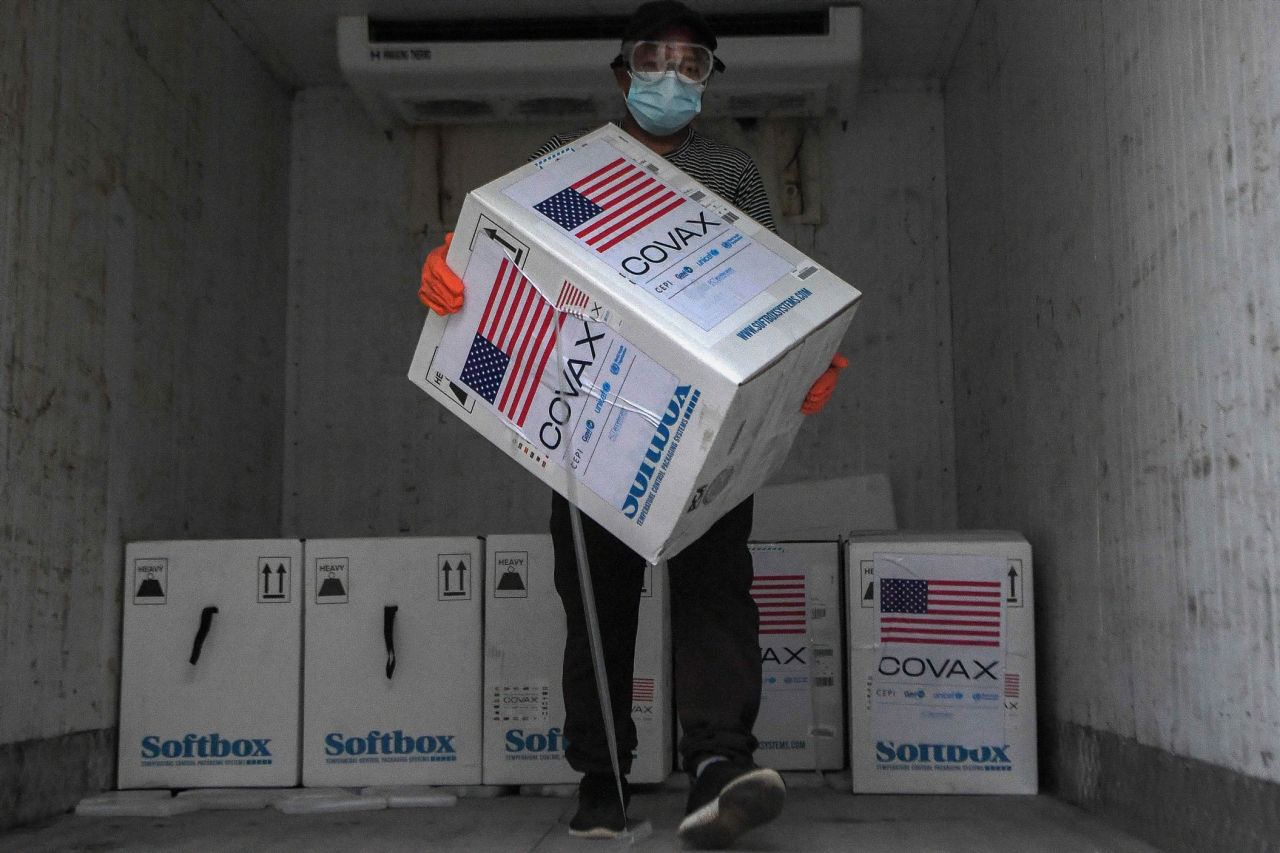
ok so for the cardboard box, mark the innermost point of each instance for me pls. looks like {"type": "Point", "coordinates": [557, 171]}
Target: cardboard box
{"type": "Point", "coordinates": [823, 510]}
{"type": "Point", "coordinates": [647, 359]}
{"type": "Point", "coordinates": [797, 589]}
{"type": "Point", "coordinates": [942, 682]}
{"type": "Point", "coordinates": [210, 664]}
{"type": "Point", "coordinates": [524, 647]}
{"type": "Point", "coordinates": [392, 685]}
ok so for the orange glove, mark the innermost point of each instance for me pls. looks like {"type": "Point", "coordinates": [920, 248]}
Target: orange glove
{"type": "Point", "coordinates": [441, 289]}
{"type": "Point", "coordinates": [820, 391]}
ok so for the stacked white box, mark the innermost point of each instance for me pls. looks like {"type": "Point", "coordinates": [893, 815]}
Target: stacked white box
{"type": "Point", "coordinates": [524, 648]}
{"type": "Point", "coordinates": [797, 590]}
{"type": "Point", "coordinates": [660, 362]}
{"type": "Point", "coordinates": [392, 665]}
{"type": "Point", "coordinates": [942, 663]}
{"type": "Point", "coordinates": [210, 664]}
{"type": "Point", "coordinates": [823, 510]}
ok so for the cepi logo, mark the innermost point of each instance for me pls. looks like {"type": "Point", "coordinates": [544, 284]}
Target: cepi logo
{"type": "Point", "coordinates": [949, 753]}
{"type": "Point", "coordinates": [551, 741]}
{"type": "Point", "coordinates": [388, 743]}
{"type": "Point", "coordinates": [212, 745]}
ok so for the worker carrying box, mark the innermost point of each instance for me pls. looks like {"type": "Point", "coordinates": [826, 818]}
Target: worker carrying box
{"type": "Point", "coordinates": [641, 342]}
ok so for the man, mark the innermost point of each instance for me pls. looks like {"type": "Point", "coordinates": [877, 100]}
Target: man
{"type": "Point", "coordinates": [666, 61]}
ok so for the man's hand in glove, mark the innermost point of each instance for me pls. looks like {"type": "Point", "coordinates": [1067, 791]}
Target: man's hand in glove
{"type": "Point", "coordinates": [441, 289]}
{"type": "Point", "coordinates": [820, 391]}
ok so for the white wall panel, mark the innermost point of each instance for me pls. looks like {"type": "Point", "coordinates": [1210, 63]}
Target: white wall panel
{"type": "Point", "coordinates": [1114, 206]}
{"type": "Point", "coordinates": [885, 230]}
{"type": "Point", "coordinates": [142, 258]}
{"type": "Point", "coordinates": [368, 453]}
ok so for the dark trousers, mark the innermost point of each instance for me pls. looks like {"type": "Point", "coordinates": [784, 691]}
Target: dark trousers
{"type": "Point", "coordinates": [714, 634]}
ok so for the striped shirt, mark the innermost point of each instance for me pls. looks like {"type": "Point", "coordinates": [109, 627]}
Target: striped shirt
{"type": "Point", "coordinates": [727, 171]}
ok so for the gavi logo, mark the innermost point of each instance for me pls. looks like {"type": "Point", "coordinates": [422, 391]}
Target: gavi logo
{"type": "Point", "coordinates": [551, 741]}
{"type": "Point", "coordinates": [388, 743]}
{"type": "Point", "coordinates": [212, 745]}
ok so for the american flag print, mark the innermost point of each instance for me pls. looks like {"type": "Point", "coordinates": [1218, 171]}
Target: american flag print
{"type": "Point", "coordinates": [781, 602]}
{"type": "Point", "coordinates": [1011, 685]}
{"type": "Point", "coordinates": [607, 206]}
{"type": "Point", "coordinates": [572, 300]}
{"type": "Point", "coordinates": [940, 612]}
{"type": "Point", "coordinates": [642, 689]}
{"type": "Point", "coordinates": [512, 344]}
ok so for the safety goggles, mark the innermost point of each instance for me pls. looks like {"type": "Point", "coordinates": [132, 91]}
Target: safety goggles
{"type": "Point", "coordinates": [649, 60]}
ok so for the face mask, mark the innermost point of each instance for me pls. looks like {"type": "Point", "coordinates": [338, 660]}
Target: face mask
{"type": "Point", "coordinates": [665, 105]}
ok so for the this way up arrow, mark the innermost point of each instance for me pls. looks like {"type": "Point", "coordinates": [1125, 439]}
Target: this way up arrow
{"type": "Point", "coordinates": [493, 235]}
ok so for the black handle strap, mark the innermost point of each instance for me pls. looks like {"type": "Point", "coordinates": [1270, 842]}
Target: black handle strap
{"type": "Point", "coordinates": [206, 620]}
{"type": "Point", "coordinates": [388, 636]}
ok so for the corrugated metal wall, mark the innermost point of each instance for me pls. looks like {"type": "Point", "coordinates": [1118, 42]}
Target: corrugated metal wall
{"type": "Point", "coordinates": [143, 166]}
{"type": "Point", "coordinates": [1114, 197]}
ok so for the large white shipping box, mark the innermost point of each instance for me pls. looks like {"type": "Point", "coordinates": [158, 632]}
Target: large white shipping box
{"type": "Point", "coordinates": [392, 677]}
{"type": "Point", "coordinates": [630, 338]}
{"type": "Point", "coordinates": [524, 646]}
{"type": "Point", "coordinates": [942, 663]}
{"type": "Point", "coordinates": [797, 591]}
{"type": "Point", "coordinates": [210, 664]}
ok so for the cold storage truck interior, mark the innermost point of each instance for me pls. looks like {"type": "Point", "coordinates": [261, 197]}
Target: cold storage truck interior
{"type": "Point", "coordinates": [1062, 216]}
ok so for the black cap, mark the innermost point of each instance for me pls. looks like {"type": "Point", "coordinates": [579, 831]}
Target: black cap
{"type": "Point", "coordinates": [651, 18]}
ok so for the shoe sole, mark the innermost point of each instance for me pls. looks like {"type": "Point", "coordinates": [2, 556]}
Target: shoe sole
{"type": "Point", "coordinates": [749, 801]}
{"type": "Point", "coordinates": [597, 832]}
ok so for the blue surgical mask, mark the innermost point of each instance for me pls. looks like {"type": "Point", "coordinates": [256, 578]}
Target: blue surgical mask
{"type": "Point", "coordinates": [665, 105]}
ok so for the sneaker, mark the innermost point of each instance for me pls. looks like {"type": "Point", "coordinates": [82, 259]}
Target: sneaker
{"type": "Point", "coordinates": [599, 813]}
{"type": "Point", "coordinates": [729, 799]}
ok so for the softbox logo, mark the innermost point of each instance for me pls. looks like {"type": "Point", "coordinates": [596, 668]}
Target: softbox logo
{"type": "Point", "coordinates": [550, 741]}
{"type": "Point", "coordinates": [388, 743]}
{"type": "Point", "coordinates": [212, 745]}
{"type": "Point", "coordinates": [940, 753]}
